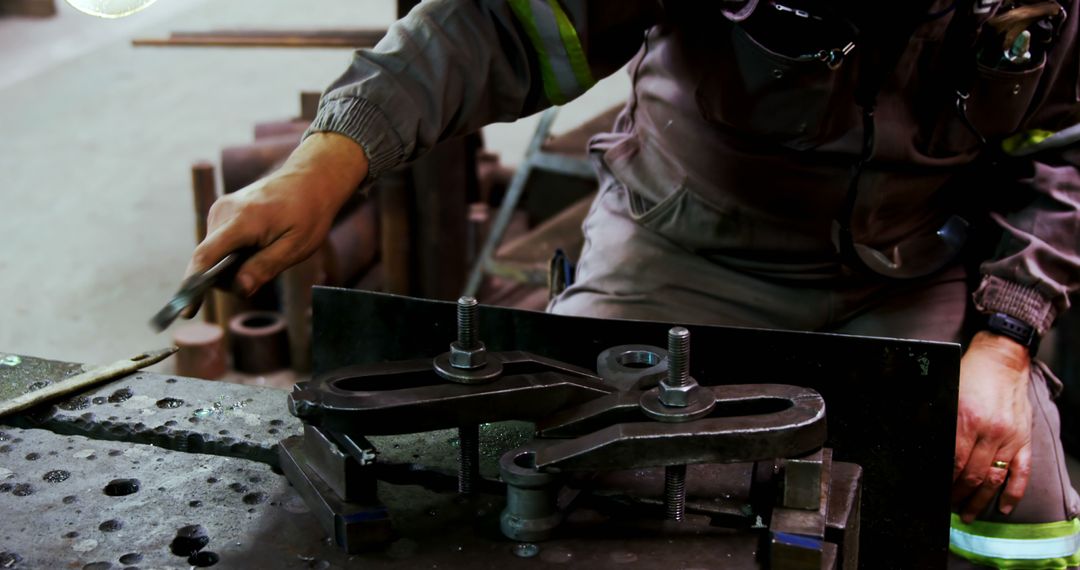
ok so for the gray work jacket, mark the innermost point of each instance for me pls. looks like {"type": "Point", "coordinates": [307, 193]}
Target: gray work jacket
{"type": "Point", "coordinates": [765, 137]}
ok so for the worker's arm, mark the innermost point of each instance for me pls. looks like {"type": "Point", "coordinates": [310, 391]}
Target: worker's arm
{"type": "Point", "coordinates": [993, 424]}
{"type": "Point", "coordinates": [448, 68]}
{"type": "Point", "coordinates": [285, 215]}
{"type": "Point", "coordinates": [1034, 271]}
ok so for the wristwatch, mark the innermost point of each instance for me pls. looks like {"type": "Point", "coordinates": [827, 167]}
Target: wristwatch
{"type": "Point", "coordinates": [1014, 328]}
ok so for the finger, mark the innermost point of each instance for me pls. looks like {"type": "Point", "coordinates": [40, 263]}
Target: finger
{"type": "Point", "coordinates": [978, 501]}
{"type": "Point", "coordinates": [226, 239]}
{"type": "Point", "coordinates": [1019, 474]}
{"type": "Point", "coordinates": [995, 478]}
{"type": "Point", "coordinates": [267, 263]}
{"type": "Point", "coordinates": [231, 236]}
{"type": "Point", "coordinates": [975, 470]}
{"type": "Point", "coordinates": [965, 442]}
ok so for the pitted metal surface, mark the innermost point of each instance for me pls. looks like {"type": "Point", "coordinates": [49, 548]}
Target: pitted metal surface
{"type": "Point", "coordinates": [252, 518]}
{"type": "Point", "coordinates": [178, 413]}
{"type": "Point", "coordinates": [22, 374]}
{"type": "Point", "coordinates": [69, 501]}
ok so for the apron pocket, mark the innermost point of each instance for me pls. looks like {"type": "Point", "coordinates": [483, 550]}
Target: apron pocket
{"type": "Point", "coordinates": [996, 107]}
{"type": "Point", "coordinates": [799, 103]}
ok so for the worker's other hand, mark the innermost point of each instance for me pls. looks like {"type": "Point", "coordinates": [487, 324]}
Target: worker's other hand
{"type": "Point", "coordinates": [993, 424]}
{"type": "Point", "coordinates": [286, 215]}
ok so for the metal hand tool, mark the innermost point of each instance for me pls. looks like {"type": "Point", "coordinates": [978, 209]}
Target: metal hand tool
{"type": "Point", "coordinates": [196, 286]}
{"type": "Point", "coordinates": [85, 380]}
{"type": "Point", "coordinates": [749, 423]}
{"type": "Point", "coordinates": [409, 396]}
{"type": "Point", "coordinates": [584, 423]}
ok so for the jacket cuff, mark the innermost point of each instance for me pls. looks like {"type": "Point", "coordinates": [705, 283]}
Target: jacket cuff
{"type": "Point", "coordinates": [363, 122]}
{"type": "Point", "coordinates": [997, 295]}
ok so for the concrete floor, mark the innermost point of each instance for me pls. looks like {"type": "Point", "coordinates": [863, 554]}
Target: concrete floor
{"type": "Point", "coordinates": [96, 217]}
{"type": "Point", "coordinates": [97, 220]}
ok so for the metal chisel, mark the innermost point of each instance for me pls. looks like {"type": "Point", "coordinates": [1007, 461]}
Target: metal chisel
{"type": "Point", "coordinates": [193, 288]}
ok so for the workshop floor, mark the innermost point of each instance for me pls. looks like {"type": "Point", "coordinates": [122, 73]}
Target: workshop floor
{"type": "Point", "coordinates": [96, 216]}
{"type": "Point", "coordinates": [98, 138]}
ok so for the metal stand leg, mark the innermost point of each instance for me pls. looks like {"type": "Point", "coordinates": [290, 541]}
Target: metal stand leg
{"type": "Point", "coordinates": [509, 203]}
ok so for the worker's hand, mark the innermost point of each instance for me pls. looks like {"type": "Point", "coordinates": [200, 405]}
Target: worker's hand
{"type": "Point", "coordinates": [286, 215]}
{"type": "Point", "coordinates": [993, 424]}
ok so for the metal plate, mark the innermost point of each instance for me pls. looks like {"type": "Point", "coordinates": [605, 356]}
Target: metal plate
{"type": "Point", "coordinates": [891, 404]}
{"type": "Point", "coordinates": [179, 413]}
{"type": "Point", "coordinates": [23, 374]}
{"type": "Point", "coordinates": [254, 519]}
{"type": "Point", "coordinates": [435, 528]}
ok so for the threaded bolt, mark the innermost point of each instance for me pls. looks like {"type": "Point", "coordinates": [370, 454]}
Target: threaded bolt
{"type": "Point", "coordinates": [466, 322]}
{"type": "Point", "coordinates": [468, 458]}
{"type": "Point", "coordinates": [678, 340]}
{"type": "Point", "coordinates": [675, 492]}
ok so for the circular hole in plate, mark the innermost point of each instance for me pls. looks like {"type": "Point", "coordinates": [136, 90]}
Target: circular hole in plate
{"type": "Point", "coordinates": [638, 359]}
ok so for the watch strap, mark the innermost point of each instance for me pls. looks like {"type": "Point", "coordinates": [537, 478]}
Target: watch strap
{"type": "Point", "coordinates": [1014, 328]}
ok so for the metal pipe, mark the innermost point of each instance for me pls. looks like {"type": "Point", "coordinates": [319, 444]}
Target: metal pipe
{"type": "Point", "coordinates": [204, 189]}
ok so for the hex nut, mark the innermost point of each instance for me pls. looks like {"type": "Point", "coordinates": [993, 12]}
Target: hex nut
{"type": "Point", "coordinates": [301, 408]}
{"type": "Point", "coordinates": [467, 359]}
{"type": "Point", "coordinates": [676, 396]}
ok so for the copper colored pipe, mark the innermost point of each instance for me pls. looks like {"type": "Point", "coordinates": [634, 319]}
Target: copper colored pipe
{"type": "Point", "coordinates": [204, 189]}
{"type": "Point", "coordinates": [351, 246]}
{"type": "Point", "coordinates": [241, 165]}
{"type": "Point", "coordinates": [267, 38]}
{"type": "Point", "coordinates": [271, 129]}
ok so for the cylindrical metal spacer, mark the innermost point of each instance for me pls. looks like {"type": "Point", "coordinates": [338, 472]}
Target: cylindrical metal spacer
{"type": "Point", "coordinates": [532, 512]}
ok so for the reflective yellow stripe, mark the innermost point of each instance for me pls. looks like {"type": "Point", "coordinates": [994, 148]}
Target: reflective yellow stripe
{"type": "Point", "coordinates": [1006, 545]}
{"type": "Point", "coordinates": [564, 69]}
{"type": "Point", "coordinates": [523, 10]}
{"type": "Point", "coordinates": [1038, 140]}
{"type": "Point", "coordinates": [574, 50]}
{"type": "Point", "coordinates": [1025, 139]}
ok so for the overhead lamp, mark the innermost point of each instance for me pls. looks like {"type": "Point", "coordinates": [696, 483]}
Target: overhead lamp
{"type": "Point", "coordinates": [109, 8]}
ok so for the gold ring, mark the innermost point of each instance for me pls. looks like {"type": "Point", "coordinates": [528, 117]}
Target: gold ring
{"type": "Point", "coordinates": [1000, 464]}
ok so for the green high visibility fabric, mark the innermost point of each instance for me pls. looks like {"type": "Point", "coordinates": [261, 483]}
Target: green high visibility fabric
{"type": "Point", "coordinates": [574, 50]}
{"type": "Point", "coordinates": [558, 49]}
{"type": "Point", "coordinates": [1042, 546]}
{"type": "Point", "coordinates": [1024, 140]}
{"type": "Point", "coordinates": [524, 13]}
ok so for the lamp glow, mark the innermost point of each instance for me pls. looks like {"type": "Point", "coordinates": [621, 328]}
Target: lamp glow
{"type": "Point", "coordinates": [109, 8]}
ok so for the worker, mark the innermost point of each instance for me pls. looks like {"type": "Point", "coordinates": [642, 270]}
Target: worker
{"type": "Point", "coordinates": [796, 164]}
